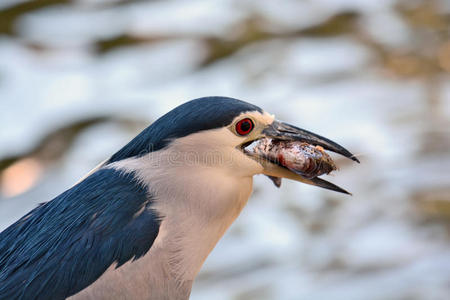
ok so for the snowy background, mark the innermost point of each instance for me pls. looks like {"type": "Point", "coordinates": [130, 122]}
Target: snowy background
{"type": "Point", "coordinates": [80, 78]}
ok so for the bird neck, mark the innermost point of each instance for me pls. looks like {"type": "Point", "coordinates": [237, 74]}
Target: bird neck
{"type": "Point", "coordinates": [197, 204]}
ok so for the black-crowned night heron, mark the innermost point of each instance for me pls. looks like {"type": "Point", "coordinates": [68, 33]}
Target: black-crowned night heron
{"type": "Point", "coordinates": [141, 224]}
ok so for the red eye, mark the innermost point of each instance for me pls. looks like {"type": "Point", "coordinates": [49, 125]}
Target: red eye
{"type": "Point", "coordinates": [244, 126]}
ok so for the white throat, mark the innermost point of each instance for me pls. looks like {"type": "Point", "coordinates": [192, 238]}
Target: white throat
{"type": "Point", "coordinates": [198, 187]}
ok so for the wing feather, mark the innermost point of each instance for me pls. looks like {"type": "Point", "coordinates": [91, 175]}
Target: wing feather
{"type": "Point", "coordinates": [64, 245]}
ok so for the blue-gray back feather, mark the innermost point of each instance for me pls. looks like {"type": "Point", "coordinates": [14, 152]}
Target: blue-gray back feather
{"type": "Point", "coordinates": [64, 245]}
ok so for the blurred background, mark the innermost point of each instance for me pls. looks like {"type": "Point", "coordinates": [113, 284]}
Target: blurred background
{"type": "Point", "coordinates": [80, 78]}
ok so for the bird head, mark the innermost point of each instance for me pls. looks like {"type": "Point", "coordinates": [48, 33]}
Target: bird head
{"type": "Point", "coordinates": [217, 131]}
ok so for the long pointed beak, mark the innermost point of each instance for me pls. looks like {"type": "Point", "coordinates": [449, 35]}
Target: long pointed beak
{"type": "Point", "coordinates": [276, 171]}
{"type": "Point", "coordinates": [286, 132]}
{"type": "Point", "coordinates": [283, 131]}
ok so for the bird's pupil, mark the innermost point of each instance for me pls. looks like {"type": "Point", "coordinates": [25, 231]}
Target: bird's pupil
{"type": "Point", "coordinates": [245, 126]}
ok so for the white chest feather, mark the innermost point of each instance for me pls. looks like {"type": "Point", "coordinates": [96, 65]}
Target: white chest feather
{"type": "Point", "coordinates": [197, 203]}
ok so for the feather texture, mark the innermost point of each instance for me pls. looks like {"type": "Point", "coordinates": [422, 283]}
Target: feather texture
{"type": "Point", "coordinates": [191, 117]}
{"type": "Point", "coordinates": [64, 245]}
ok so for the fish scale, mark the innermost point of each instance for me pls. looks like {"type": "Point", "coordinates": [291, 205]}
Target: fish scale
{"type": "Point", "coordinates": [302, 158]}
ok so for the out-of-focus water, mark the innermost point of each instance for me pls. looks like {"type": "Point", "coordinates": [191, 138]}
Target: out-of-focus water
{"type": "Point", "coordinates": [79, 78]}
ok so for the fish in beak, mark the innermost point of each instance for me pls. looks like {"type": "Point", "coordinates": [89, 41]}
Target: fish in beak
{"type": "Point", "coordinates": [286, 151]}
